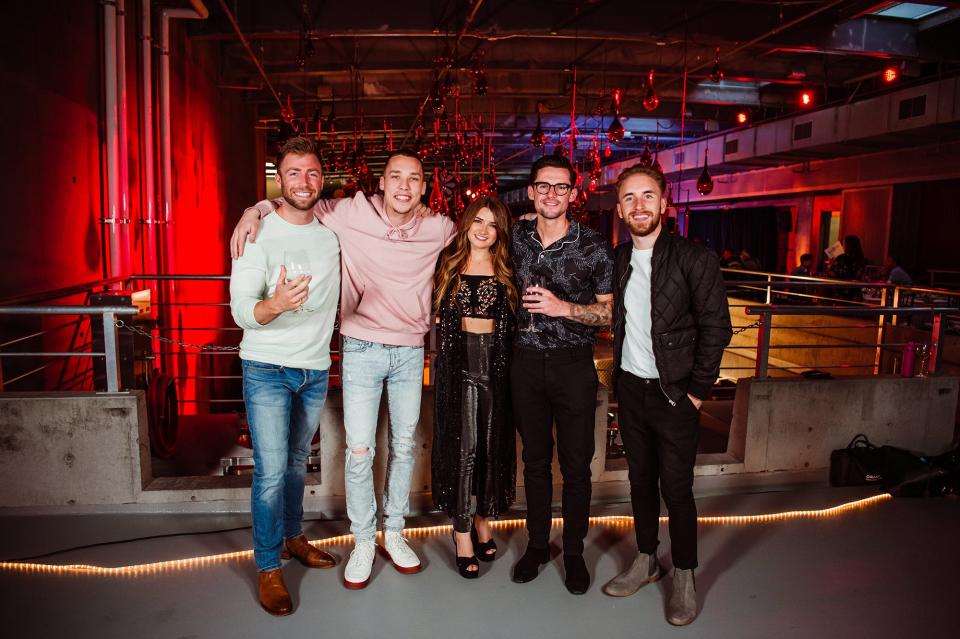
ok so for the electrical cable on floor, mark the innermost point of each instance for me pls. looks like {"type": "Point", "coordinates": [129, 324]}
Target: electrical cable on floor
{"type": "Point", "coordinates": [134, 540]}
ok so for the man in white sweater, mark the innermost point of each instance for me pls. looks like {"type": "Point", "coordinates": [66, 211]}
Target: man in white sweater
{"type": "Point", "coordinates": [283, 293]}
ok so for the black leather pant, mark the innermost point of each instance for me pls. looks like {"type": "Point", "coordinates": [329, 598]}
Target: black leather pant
{"type": "Point", "coordinates": [477, 423]}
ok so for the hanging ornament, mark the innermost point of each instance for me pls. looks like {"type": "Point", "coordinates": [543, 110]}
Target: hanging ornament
{"type": "Point", "coordinates": [656, 166]}
{"type": "Point", "coordinates": [606, 151]}
{"type": "Point", "coordinates": [450, 85]}
{"type": "Point", "coordinates": [480, 85]}
{"type": "Point", "coordinates": [559, 150]}
{"type": "Point", "coordinates": [716, 74]}
{"type": "Point", "coordinates": [445, 59]}
{"type": "Point", "coordinates": [538, 138]}
{"type": "Point", "coordinates": [332, 116]}
{"type": "Point", "coordinates": [650, 100]}
{"type": "Point", "coordinates": [616, 131]}
{"type": "Point", "coordinates": [704, 182]}
{"type": "Point", "coordinates": [646, 159]}
{"type": "Point", "coordinates": [438, 98]}
{"type": "Point", "coordinates": [286, 113]}
{"type": "Point", "coordinates": [437, 201]}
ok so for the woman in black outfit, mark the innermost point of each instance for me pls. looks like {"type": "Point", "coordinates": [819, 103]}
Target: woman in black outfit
{"type": "Point", "coordinates": [474, 456]}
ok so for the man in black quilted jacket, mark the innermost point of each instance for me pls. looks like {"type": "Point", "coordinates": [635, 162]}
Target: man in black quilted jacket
{"type": "Point", "coordinates": [671, 323]}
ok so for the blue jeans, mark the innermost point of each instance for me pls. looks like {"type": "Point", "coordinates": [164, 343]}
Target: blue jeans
{"type": "Point", "coordinates": [283, 410]}
{"type": "Point", "coordinates": [365, 367]}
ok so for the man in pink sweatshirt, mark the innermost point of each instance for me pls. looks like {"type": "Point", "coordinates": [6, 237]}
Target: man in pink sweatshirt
{"type": "Point", "coordinates": [388, 255]}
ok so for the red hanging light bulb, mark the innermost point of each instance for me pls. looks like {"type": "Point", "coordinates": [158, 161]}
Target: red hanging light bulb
{"type": "Point", "coordinates": [650, 100]}
{"type": "Point", "coordinates": [286, 112]}
{"type": "Point", "coordinates": [538, 138]}
{"type": "Point", "coordinates": [716, 74]}
{"type": "Point", "coordinates": [437, 202]}
{"type": "Point", "coordinates": [616, 131]}
{"type": "Point", "coordinates": [704, 182]}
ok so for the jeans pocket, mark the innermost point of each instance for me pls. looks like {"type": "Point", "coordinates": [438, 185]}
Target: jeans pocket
{"type": "Point", "coordinates": [351, 345]}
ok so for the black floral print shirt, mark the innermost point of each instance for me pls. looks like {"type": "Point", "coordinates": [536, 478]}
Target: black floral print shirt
{"type": "Point", "coordinates": [576, 268]}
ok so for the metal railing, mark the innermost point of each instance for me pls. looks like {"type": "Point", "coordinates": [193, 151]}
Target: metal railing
{"type": "Point", "coordinates": [879, 303]}
{"type": "Point", "coordinates": [109, 318]}
{"type": "Point", "coordinates": [766, 314]}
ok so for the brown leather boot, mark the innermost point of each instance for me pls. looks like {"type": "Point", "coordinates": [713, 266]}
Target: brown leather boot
{"type": "Point", "coordinates": [274, 596]}
{"type": "Point", "coordinates": [306, 554]}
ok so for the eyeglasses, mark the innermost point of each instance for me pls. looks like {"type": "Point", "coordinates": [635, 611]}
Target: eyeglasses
{"type": "Point", "coordinates": [544, 187]}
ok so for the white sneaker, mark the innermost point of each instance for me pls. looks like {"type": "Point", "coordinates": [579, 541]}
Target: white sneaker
{"type": "Point", "coordinates": [402, 556]}
{"type": "Point", "coordinates": [357, 573]}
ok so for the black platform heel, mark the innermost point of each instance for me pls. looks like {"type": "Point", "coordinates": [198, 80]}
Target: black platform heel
{"type": "Point", "coordinates": [465, 563]}
{"type": "Point", "coordinates": [486, 550]}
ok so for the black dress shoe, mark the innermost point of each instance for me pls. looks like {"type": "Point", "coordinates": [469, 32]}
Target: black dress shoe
{"type": "Point", "coordinates": [577, 578]}
{"type": "Point", "coordinates": [528, 567]}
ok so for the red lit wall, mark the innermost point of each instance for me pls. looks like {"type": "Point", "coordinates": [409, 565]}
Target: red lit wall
{"type": "Point", "coordinates": [54, 164]}
{"type": "Point", "coordinates": [51, 74]}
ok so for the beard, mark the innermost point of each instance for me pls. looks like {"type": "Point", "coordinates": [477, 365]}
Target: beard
{"type": "Point", "coordinates": [299, 203]}
{"type": "Point", "coordinates": [643, 229]}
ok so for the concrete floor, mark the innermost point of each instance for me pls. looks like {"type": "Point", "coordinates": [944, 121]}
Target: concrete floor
{"type": "Point", "coordinates": [889, 570]}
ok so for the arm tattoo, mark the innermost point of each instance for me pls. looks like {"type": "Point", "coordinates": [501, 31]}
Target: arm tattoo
{"type": "Point", "coordinates": [598, 314]}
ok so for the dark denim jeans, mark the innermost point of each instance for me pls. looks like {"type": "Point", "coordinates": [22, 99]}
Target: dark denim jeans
{"type": "Point", "coordinates": [283, 410]}
{"type": "Point", "coordinates": [559, 386]}
{"type": "Point", "coordinates": [661, 445]}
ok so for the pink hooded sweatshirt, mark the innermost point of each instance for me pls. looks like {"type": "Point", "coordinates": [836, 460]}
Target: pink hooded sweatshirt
{"type": "Point", "coordinates": [387, 271]}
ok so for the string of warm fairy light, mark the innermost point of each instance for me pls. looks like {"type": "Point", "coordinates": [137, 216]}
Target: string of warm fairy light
{"type": "Point", "coordinates": [176, 565]}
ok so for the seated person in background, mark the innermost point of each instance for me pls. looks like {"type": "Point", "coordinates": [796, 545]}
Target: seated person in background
{"type": "Point", "coordinates": [805, 266]}
{"type": "Point", "coordinates": [849, 265]}
{"type": "Point", "coordinates": [896, 273]}
{"type": "Point", "coordinates": [749, 262]}
{"type": "Point", "coordinates": [729, 259]}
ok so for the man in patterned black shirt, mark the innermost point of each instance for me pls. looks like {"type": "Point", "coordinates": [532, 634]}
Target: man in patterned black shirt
{"type": "Point", "coordinates": [553, 378]}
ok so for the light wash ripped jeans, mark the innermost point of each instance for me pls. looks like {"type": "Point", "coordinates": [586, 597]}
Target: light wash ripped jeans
{"type": "Point", "coordinates": [365, 366]}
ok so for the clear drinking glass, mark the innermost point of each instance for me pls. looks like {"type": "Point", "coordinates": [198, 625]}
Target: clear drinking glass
{"type": "Point", "coordinates": [534, 279]}
{"type": "Point", "coordinates": [297, 263]}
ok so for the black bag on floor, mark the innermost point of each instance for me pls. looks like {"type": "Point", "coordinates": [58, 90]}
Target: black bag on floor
{"type": "Point", "coordinates": [909, 475]}
{"type": "Point", "coordinates": [859, 464]}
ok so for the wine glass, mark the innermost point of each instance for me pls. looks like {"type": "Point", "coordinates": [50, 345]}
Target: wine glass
{"type": "Point", "coordinates": [538, 280]}
{"type": "Point", "coordinates": [297, 263]}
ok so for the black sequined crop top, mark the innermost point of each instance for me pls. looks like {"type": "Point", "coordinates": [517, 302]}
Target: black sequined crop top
{"type": "Point", "coordinates": [477, 296]}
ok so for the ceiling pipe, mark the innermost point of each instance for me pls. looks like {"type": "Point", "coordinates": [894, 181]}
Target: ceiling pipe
{"type": "Point", "coordinates": [123, 149]}
{"type": "Point", "coordinates": [760, 38]}
{"type": "Point", "coordinates": [148, 210]}
{"type": "Point", "coordinates": [253, 57]}
{"type": "Point", "coordinates": [111, 217]}
{"type": "Point", "coordinates": [197, 12]}
{"type": "Point", "coordinates": [486, 36]}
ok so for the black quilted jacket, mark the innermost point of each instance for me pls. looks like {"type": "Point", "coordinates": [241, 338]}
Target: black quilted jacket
{"type": "Point", "coordinates": [690, 316]}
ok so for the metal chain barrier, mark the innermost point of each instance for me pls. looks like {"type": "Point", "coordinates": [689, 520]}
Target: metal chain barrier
{"type": "Point", "coordinates": [167, 340]}
{"type": "Point", "coordinates": [747, 328]}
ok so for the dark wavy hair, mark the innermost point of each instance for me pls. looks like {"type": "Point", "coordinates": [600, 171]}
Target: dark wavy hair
{"type": "Point", "coordinates": [454, 258]}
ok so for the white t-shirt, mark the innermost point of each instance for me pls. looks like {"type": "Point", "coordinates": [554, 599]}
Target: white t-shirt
{"type": "Point", "coordinates": [295, 339]}
{"type": "Point", "coordinates": [637, 355]}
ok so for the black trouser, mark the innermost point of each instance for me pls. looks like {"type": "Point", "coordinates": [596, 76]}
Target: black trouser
{"type": "Point", "coordinates": [477, 423]}
{"type": "Point", "coordinates": [556, 385]}
{"type": "Point", "coordinates": [661, 444]}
